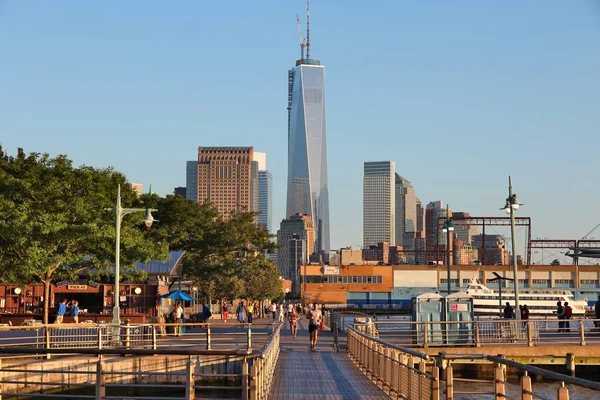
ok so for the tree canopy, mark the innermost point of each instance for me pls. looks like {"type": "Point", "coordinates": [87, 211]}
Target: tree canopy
{"type": "Point", "coordinates": [54, 220]}
{"type": "Point", "coordinates": [55, 224]}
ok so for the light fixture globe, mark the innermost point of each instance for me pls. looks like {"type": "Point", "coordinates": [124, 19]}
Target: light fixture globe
{"type": "Point", "coordinates": [149, 219]}
{"type": "Point", "coordinates": [18, 290]}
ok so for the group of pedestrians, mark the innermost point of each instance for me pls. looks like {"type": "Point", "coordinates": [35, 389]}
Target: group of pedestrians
{"type": "Point", "coordinates": [67, 308]}
{"type": "Point", "coordinates": [509, 313]}
{"type": "Point", "coordinates": [564, 314]}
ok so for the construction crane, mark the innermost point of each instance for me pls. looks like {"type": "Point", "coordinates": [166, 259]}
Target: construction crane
{"type": "Point", "coordinates": [302, 40]}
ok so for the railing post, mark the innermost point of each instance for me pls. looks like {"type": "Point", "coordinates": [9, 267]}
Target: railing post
{"type": "Point", "coordinates": [581, 332]}
{"type": "Point", "coordinates": [477, 335]}
{"type": "Point", "coordinates": [562, 393]}
{"type": "Point", "coordinates": [127, 335]}
{"type": "Point", "coordinates": [529, 333]}
{"type": "Point", "coordinates": [421, 378]}
{"type": "Point", "coordinates": [526, 393]}
{"type": "Point", "coordinates": [249, 339]}
{"type": "Point", "coordinates": [245, 379]}
{"type": "Point", "coordinates": [47, 337]}
{"type": "Point", "coordinates": [1, 380]}
{"type": "Point", "coordinates": [190, 382]}
{"type": "Point", "coordinates": [253, 382]}
{"type": "Point", "coordinates": [410, 370]}
{"type": "Point", "coordinates": [153, 338]}
{"type": "Point", "coordinates": [207, 336]}
{"type": "Point", "coordinates": [435, 388]}
{"type": "Point", "coordinates": [425, 335]}
{"type": "Point", "coordinates": [449, 382]}
{"type": "Point", "coordinates": [99, 338]}
{"type": "Point", "coordinates": [499, 388]}
{"type": "Point", "coordinates": [100, 388]}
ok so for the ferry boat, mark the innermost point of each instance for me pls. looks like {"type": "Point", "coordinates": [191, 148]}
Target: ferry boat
{"type": "Point", "coordinates": [539, 301]}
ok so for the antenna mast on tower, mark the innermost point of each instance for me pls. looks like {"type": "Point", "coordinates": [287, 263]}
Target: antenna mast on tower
{"type": "Point", "coordinates": [302, 40]}
{"type": "Point", "coordinates": [308, 29]}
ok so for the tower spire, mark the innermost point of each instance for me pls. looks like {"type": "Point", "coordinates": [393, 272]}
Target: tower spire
{"type": "Point", "coordinates": [308, 29]}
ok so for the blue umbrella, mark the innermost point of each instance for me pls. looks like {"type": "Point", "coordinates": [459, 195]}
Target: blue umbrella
{"type": "Point", "coordinates": [177, 295]}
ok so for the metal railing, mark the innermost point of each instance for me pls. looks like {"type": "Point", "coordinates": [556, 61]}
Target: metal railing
{"type": "Point", "coordinates": [486, 333]}
{"type": "Point", "coordinates": [209, 336]}
{"type": "Point", "coordinates": [501, 388]}
{"type": "Point", "coordinates": [400, 372]}
{"type": "Point", "coordinates": [240, 371]}
{"type": "Point", "coordinates": [263, 367]}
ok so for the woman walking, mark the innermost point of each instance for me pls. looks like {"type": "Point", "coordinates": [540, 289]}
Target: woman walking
{"type": "Point", "coordinates": [178, 311]}
{"type": "Point", "coordinates": [241, 313]}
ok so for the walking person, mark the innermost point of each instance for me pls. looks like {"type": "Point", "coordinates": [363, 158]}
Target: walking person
{"type": "Point", "coordinates": [314, 321]}
{"type": "Point", "coordinates": [224, 311]}
{"type": "Point", "coordinates": [293, 318]}
{"type": "Point", "coordinates": [274, 310]}
{"type": "Point", "coordinates": [250, 311]}
{"type": "Point", "coordinates": [281, 313]}
{"type": "Point", "coordinates": [241, 312]}
{"type": "Point", "coordinates": [560, 314]}
{"type": "Point", "coordinates": [178, 314]}
{"type": "Point", "coordinates": [567, 316]}
{"type": "Point", "coordinates": [508, 311]}
{"type": "Point", "coordinates": [61, 311]}
{"type": "Point", "coordinates": [206, 313]}
{"type": "Point", "coordinates": [75, 311]}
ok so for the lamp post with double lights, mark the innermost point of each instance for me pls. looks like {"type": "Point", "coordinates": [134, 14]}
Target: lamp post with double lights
{"type": "Point", "coordinates": [120, 212]}
{"type": "Point", "coordinates": [447, 228]}
{"type": "Point", "coordinates": [511, 206]}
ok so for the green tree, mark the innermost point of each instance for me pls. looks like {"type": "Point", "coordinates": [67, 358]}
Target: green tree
{"type": "Point", "coordinates": [54, 220]}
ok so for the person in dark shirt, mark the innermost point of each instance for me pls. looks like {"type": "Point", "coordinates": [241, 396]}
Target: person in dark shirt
{"type": "Point", "coordinates": [525, 312]}
{"type": "Point", "coordinates": [560, 314]}
{"type": "Point", "coordinates": [508, 311]}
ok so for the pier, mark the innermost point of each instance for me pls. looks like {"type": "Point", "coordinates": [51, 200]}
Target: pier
{"type": "Point", "coordinates": [366, 360]}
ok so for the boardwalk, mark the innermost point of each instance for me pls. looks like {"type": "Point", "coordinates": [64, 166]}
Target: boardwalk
{"type": "Point", "coordinates": [318, 374]}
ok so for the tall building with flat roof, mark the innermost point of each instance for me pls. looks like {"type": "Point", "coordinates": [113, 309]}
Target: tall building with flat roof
{"type": "Point", "coordinates": [406, 213]}
{"type": "Point", "coordinates": [379, 203]}
{"type": "Point", "coordinates": [296, 240]}
{"type": "Point", "coordinates": [434, 237]}
{"type": "Point", "coordinates": [265, 199]}
{"type": "Point", "coordinates": [307, 183]}
{"type": "Point", "coordinates": [225, 176]}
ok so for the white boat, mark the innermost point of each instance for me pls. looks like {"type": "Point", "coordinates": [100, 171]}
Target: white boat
{"type": "Point", "coordinates": [539, 301]}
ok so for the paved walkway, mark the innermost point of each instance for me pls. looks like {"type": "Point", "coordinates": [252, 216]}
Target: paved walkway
{"type": "Point", "coordinates": [323, 373]}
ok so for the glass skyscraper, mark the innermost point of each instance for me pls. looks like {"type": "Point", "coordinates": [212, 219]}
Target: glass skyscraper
{"type": "Point", "coordinates": [308, 188]}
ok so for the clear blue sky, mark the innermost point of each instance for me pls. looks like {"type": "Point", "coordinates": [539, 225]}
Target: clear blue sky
{"type": "Point", "coordinates": [458, 94]}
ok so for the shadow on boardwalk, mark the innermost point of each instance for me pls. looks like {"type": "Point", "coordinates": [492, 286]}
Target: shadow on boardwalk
{"type": "Point", "coordinates": [323, 373]}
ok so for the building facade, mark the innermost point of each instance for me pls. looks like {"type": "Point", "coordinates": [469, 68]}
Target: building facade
{"type": "Point", "coordinates": [265, 199]}
{"type": "Point", "coordinates": [307, 184]}
{"type": "Point", "coordinates": [435, 239]}
{"type": "Point", "coordinates": [379, 203]}
{"type": "Point", "coordinates": [296, 238]}
{"type": "Point", "coordinates": [464, 231]}
{"type": "Point", "coordinates": [225, 176]}
{"type": "Point", "coordinates": [406, 213]}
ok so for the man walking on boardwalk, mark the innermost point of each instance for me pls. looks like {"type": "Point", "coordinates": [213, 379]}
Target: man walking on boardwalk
{"type": "Point", "coordinates": [314, 321]}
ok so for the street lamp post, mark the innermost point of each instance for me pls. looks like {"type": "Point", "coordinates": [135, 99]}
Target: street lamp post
{"type": "Point", "coordinates": [511, 206]}
{"type": "Point", "coordinates": [120, 212]}
{"type": "Point", "coordinates": [447, 228]}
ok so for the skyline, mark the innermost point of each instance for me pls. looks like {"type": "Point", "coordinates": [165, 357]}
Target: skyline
{"type": "Point", "coordinates": [443, 90]}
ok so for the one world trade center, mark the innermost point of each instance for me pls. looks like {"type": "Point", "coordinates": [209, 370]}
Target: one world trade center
{"type": "Point", "coordinates": [307, 185]}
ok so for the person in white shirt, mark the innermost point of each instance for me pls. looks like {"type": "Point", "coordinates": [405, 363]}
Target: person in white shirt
{"type": "Point", "coordinates": [314, 321]}
{"type": "Point", "coordinates": [281, 314]}
{"type": "Point", "coordinates": [178, 311]}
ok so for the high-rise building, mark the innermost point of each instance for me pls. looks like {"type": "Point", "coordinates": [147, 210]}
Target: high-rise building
{"type": "Point", "coordinates": [435, 239]}
{"type": "Point", "coordinates": [265, 192]}
{"type": "Point", "coordinates": [406, 213]}
{"type": "Point", "coordinates": [307, 184]}
{"type": "Point", "coordinates": [379, 203]}
{"type": "Point", "coordinates": [419, 250]}
{"type": "Point", "coordinates": [265, 199]}
{"type": "Point", "coordinates": [179, 191]}
{"type": "Point", "coordinates": [138, 188]}
{"type": "Point", "coordinates": [296, 238]}
{"type": "Point", "coordinates": [464, 231]}
{"type": "Point", "coordinates": [225, 176]}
